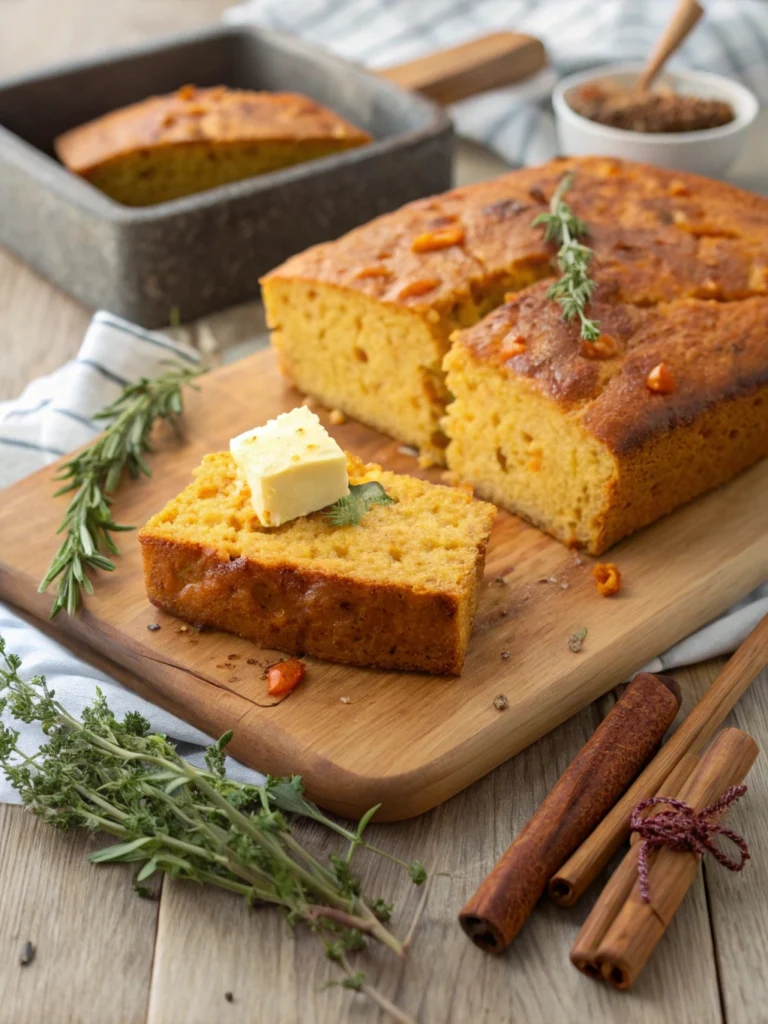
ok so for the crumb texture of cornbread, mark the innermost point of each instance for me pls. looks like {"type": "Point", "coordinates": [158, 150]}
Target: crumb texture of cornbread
{"type": "Point", "coordinates": [398, 591]}
{"type": "Point", "coordinates": [581, 446]}
{"type": "Point", "coordinates": [363, 323]}
{"type": "Point", "coordinates": [194, 139]}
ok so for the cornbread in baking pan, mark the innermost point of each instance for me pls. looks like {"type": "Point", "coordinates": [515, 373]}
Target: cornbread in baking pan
{"type": "Point", "coordinates": [398, 591]}
{"type": "Point", "coordinates": [364, 323]}
{"type": "Point", "coordinates": [577, 440]}
{"type": "Point", "coordinates": [170, 146]}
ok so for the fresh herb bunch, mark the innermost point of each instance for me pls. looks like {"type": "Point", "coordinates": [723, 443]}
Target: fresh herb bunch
{"type": "Point", "coordinates": [115, 776]}
{"type": "Point", "coordinates": [575, 288]}
{"type": "Point", "coordinates": [94, 475]}
{"type": "Point", "coordinates": [350, 509]}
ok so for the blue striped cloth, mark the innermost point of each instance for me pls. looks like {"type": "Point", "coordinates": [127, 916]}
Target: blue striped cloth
{"type": "Point", "coordinates": [50, 418]}
{"type": "Point", "coordinates": [731, 39]}
{"type": "Point", "coordinates": [53, 416]}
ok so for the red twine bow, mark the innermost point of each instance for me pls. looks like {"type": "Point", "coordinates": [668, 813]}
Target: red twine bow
{"type": "Point", "coordinates": [685, 830]}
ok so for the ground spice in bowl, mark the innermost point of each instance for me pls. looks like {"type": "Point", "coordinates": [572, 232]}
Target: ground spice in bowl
{"type": "Point", "coordinates": [660, 110]}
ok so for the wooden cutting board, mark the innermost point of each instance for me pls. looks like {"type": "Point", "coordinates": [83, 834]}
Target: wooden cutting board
{"type": "Point", "coordinates": [405, 740]}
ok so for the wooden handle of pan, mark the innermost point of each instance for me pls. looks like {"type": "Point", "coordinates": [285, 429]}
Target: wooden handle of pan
{"type": "Point", "coordinates": [500, 58]}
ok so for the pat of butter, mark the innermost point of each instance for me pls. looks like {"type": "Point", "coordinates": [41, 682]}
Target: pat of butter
{"type": "Point", "coordinates": [292, 466]}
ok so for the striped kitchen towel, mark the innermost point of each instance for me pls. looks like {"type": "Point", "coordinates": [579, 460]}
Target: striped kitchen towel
{"type": "Point", "coordinates": [54, 415]}
{"type": "Point", "coordinates": [516, 122]}
{"type": "Point", "coordinates": [51, 417]}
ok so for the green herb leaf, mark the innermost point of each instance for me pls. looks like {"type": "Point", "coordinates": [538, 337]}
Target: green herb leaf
{"type": "Point", "coordinates": [349, 510]}
{"type": "Point", "coordinates": [418, 873]}
{"type": "Point", "coordinates": [94, 474]}
{"type": "Point", "coordinates": [115, 776]}
{"type": "Point", "coordinates": [575, 288]}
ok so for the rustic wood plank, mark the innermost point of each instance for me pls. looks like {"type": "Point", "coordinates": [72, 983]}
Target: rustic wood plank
{"type": "Point", "coordinates": [737, 902]}
{"type": "Point", "coordinates": [209, 944]}
{"type": "Point", "coordinates": [443, 733]}
{"type": "Point", "coordinates": [94, 937]}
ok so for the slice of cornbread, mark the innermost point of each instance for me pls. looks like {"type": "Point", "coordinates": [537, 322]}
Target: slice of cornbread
{"type": "Point", "coordinates": [582, 446]}
{"type": "Point", "coordinates": [363, 323]}
{"type": "Point", "coordinates": [398, 591]}
{"type": "Point", "coordinates": [170, 146]}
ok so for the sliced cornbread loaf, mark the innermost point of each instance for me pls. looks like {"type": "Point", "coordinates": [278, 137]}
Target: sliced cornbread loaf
{"type": "Point", "coordinates": [583, 446]}
{"type": "Point", "coordinates": [397, 591]}
{"type": "Point", "coordinates": [363, 323]}
{"type": "Point", "coordinates": [170, 146]}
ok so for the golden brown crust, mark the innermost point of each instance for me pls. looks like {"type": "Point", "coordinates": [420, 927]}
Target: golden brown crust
{"type": "Point", "coordinates": [398, 591]}
{"type": "Point", "coordinates": [658, 235]}
{"type": "Point", "coordinates": [299, 612]}
{"type": "Point", "coordinates": [216, 116]}
{"type": "Point", "coordinates": [717, 352]}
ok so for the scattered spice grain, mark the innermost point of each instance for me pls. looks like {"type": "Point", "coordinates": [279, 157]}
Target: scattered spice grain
{"type": "Point", "coordinates": [27, 954]}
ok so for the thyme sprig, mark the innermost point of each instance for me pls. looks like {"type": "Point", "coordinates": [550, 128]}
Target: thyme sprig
{"type": "Point", "coordinates": [115, 776]}
{"type": "Point", "coordinates": [93, 474]}
{"type": "Point", "coordinates": [350, 509]}
{"type": "Point", "coordinates": [575, 288]}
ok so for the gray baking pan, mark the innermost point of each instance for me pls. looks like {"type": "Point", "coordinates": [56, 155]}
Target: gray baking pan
{"type": "Point", "coordinates": [203, 252]}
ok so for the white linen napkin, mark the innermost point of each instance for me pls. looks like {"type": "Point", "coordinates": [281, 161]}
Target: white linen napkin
{"type": "Point", "coordinates": [516, 122]}
{"type": "Point", "coordinates": [53, 416]}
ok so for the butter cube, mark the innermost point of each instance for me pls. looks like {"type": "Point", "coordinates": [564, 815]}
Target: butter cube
{"type": "Point", "coordinates": [292, 466]}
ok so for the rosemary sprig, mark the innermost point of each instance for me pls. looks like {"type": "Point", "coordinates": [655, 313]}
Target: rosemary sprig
{"type": "Point", "coordinates": [114, 776]}
{"type": "Point", "coordinates": [94, 474]}
{"type": "Point", "coordinates": [349, 510]}
{"type": "Point", "coordinates": [575, 288]}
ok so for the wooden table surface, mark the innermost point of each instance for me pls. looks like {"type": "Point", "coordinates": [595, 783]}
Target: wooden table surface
{"type": "Point", "coordinates": [104, 956]}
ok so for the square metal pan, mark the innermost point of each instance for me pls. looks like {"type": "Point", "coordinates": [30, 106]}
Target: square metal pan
{"type": "Point", "coordinates": [203, 252]}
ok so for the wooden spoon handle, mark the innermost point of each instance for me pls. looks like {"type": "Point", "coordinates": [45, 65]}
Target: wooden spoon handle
{"type": "Point", "coordinates": [500, 58]}
{"type": "Point", "coordinates": [685, 16]}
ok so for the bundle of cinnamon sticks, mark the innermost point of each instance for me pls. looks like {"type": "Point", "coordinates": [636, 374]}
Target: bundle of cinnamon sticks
{"type": "Point", "coordinates": [584, 820]}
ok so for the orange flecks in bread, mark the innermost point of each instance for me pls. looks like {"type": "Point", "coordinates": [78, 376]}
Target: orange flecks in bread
{"type": "Point", "coordinates": [194, 139]}
{"type": "Point", "coordinates": [397, 591]}
{"type": "Point", "coordinates": [614, 456]}
{"type": "Point", "coordinates": [604, 347]}
{"type": "Point", "coordinates": [661, 379]}
{"type": "Point", "coordinates": [418, 287]}
{"type": "Point", "coordinates": [440, 238]}
{"type": "Point", "coordinates": [607, 578]}
{"type": "Point", "coordinates": [375, 270]}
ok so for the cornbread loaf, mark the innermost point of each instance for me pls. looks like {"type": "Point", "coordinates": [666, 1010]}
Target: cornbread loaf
{"type": "Point", "coordinates": [576, 440]}
{"type": "Point", "coordinates": [397, 591]}
{"type": "Point", "coordinates": [170, 146]}
{"type": "Point", "coordinates": [364, 323]}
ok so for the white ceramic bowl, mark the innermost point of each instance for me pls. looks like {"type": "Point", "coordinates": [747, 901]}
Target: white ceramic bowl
{"type": "Point", "coordinates": [710, 151]}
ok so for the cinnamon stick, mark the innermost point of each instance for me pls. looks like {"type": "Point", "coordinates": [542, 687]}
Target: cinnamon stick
{"type": "Point", "coordinates": [638, 926]}
{"type": "Point", "coordinates": [620, 884]}
{"type": "Point", "coordinates": [696, 730]}
{"type": "Point", "coordinates": [624, 741]}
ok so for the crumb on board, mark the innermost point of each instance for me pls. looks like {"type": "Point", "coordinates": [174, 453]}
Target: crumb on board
{"type": "Point", "coordinates": [575, 640]}
{"type": "Point", "coordinates": [345, 700]}
{"type": "Point", "coordinates": [27, 954]}
{"type": "Point", "coordinates": [608, 578]}
{"type": "Point", "coordinates": [153, 627]}
{"type": "Point", "coordinates": [337, 417]}
{"type": "Point", "coordinates": [501, 702]}
{"type": "Point", "coordinates": [407, 449]}
{"type": "Point", "coordinates": [505, 655]}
